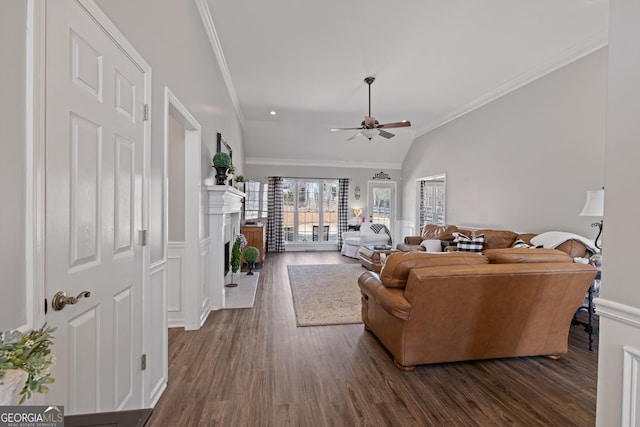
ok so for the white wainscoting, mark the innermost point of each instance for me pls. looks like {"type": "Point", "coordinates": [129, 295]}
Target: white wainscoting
{"type": "Point", "coordinates": [175, 291]}
{"type": "Point", "coordinates": [205, 306]}
{"type": "Point", "coordinates": [618, 362]}
{"type": "Point", "coordinates": [404, 228]}
{"type": "Point", "coordinates": [157, 346]}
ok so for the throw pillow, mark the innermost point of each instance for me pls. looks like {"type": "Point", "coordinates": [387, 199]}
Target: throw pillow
{"type": "Point", "coordinates": [432, 245]}
{"type": "Point", "coordinates": [519, 243]}
{"type": "Point", "coordinates": [468, 244]}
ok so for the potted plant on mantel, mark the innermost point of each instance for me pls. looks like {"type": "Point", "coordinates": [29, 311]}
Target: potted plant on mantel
{"type": "Point", "coordinates": [240, 180]}
{"type": "Point", "coordinates": [222, 162]}
{"type": "Point", "coordinates": [25, 360]}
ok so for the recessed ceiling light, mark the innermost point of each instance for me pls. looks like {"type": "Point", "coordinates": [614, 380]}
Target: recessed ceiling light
{"type": "Point", "coordinates": [273, 113]}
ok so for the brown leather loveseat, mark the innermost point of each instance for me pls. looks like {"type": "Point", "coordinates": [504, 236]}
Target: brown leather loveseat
{"type": "Point", "coordinates": [432, 308]}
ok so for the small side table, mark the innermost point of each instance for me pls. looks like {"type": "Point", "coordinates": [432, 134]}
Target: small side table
{"type": "Point", "coordinates": [370, 256]}
{"type": "Point", "coordinates": [588, 306]}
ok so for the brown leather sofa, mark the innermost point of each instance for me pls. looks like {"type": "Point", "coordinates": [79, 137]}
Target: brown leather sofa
{"type": "Point", "coordinates": [494, 239]}
{"type": "Point", "coordinates": [433, 308]}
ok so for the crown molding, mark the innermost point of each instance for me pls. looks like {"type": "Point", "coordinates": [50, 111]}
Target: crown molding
{"type": "Point", "coordinates": [588, 46]}
{"type": "Point", "coordinates": [323, 163]}
{"type": "Point", "coordinates": [210, 29]}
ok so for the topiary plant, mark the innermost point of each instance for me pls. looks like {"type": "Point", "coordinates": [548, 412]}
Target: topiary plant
{"type": "Point", "coordinates": [221, 159]}
{"type": "Point", "coordinates": [251, 254]}
{"type": "Point", "coordinates": [236, 256]}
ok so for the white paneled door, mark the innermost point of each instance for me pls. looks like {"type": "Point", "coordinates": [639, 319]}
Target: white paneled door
{"type": "Point", "coordinates": [94, 172]}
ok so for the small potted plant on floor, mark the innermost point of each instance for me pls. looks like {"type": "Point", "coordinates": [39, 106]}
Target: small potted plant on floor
{"type": "Point", "coordinates": [251, 254]}
{"type": "Point", "coordinates": [236, 257]}
{"type": "Point", "coordinates": [25, 360]}
{"type": "Point", "coordinates": [222, 162]}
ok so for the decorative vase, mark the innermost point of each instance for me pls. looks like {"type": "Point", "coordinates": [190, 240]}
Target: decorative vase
{"type": "Point", "coordinates": [251, 265]}
{"type": "Point", "coordinates": [12, 383]}
{"type": "Point", "coordinates": [221, 174]}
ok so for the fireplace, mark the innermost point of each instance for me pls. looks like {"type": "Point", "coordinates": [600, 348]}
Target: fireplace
{"type": "Point", "coordinates": [225, 204]}
{"type": "Point", "coordinates": [226, 258]}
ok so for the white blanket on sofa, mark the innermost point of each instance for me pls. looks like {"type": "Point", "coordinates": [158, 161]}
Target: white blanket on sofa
{"type": "Point", "coordinates": [553, 239]}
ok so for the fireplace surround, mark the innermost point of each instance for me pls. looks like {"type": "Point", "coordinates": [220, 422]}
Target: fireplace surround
{"type": "Point", "coordinates": [224, 211]}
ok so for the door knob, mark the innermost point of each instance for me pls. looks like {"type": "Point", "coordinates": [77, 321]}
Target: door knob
{"type": "Point", "coordinates": [60, 299]}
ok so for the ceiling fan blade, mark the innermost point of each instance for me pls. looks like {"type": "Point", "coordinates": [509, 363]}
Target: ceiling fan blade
{"type": "Point", "coordinates": [335, 129]}
{"type": "Point", "coordinates": [385, 134]}
{"type": "Point", "coordinates": [353, 137]}
{"type": "Point", "coordinates": [395, 125]}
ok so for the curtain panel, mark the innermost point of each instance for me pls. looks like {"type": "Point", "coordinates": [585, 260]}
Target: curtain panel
{"type": "Point", "coordinates": [343, 208]}
{"type": "Point", "coordinates": [275, 215]}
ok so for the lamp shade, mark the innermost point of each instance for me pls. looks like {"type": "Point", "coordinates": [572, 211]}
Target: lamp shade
{"type": "Point", "coordinates": [594, 205]}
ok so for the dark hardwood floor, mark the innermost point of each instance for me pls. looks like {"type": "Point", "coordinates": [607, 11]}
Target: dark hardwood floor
{"type": "Point", "coordinates": [254, 367]}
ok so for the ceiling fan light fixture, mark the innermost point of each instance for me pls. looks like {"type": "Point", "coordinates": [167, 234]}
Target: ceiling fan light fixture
{"type": "Point", "coordinates": [369, 133]}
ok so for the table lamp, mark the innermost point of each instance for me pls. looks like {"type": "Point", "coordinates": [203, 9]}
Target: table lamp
{"type": "Point", "coordinates": [594, 206]}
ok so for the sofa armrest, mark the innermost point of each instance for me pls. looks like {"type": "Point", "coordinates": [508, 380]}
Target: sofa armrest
{"type": "Point", "coordinates": [413, 240]}
{"type": "Point", "coordinates": [410, 248]}
{"type": "Point", "coordinates": [391, 299]}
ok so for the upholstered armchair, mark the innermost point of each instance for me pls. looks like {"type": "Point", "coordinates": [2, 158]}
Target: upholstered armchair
{"type": "Point", "coordinates": [369, 234]}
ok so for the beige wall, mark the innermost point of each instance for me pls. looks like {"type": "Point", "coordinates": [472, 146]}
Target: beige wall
{"type": "Point", "coordinates": [176, 166]}
{"type": "Point", "coordinates": [12, 164]}
{"type": "Point", "coordinates": [524, 161]}
{"type": "Point", "coordinates": [181, 58]}
{"type": "Point", "coordinates": [619, 306]}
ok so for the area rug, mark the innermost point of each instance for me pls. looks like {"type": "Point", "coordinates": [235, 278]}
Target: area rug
{"type": "Point", "coordinates": [326, 294]}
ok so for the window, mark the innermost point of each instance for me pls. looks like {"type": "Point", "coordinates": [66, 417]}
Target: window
{"type": "Point", "coordinates": [310, 210]}
{"type": "Point", "coordinates": [431, 200]}
{"type": "Point", "coordinates": [255, 205]}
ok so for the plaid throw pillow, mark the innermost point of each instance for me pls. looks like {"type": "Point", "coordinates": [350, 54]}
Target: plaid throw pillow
{"type": "Point", "coordinates": [467, 244]}
{"type": "Point", "coordinates": [520, 244]}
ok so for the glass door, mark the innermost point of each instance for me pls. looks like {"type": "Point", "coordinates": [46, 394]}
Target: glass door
{"type": "Point", "coordinates": [310, 210]}
{"type": "Point", "coordinates": [381, 202]}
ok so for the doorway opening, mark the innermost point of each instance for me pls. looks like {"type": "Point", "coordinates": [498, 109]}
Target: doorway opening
{"type": "Point", "coordinates": [187, 294]}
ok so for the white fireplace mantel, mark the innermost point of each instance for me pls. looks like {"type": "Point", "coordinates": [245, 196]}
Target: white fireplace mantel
{"type": "Point", "coordinates": [224, 199]}
{"type": "Point", "coordinates": [225, 205]}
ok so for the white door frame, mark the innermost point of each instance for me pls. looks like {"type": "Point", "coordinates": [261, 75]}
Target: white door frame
{"type": "Point", "coordinates": [35, 154]}
{"type": "Point", "coordinates": [196, 301]}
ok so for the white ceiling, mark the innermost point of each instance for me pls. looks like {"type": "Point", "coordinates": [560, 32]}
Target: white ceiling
{"type": "Point", "coordinates": [433, 60]}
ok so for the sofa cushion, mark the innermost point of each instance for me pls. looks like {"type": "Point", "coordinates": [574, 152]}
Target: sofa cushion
{"type": "Point", "coordinates": [525, 255]}
{"type": "Point", "coordinates": [432, 231]}
{"type": "Point", "coordinates": [496, 239]}
{"type": "Point", "coordinates": [397, 266]}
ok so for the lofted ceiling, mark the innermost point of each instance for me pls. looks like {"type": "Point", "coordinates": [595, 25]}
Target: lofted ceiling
{"type": "Point", "coordinates": [433, 61]}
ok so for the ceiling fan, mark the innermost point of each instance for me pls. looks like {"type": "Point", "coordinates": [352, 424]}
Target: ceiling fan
{"type": "Point", "coordinates": [370, 127]}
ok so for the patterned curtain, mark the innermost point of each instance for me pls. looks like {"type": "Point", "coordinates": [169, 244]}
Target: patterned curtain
{"type": "Point", "coordinates": [422, 212]}
{"type": "Point", "coordinates": [275, 215]}
{"type": "Point", "coordinates": [343, 208]}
